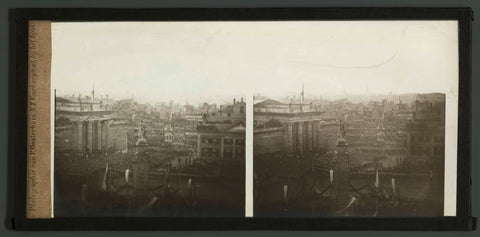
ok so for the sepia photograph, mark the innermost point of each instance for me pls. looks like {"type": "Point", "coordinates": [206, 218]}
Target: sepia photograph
{"type": "Point", "coordinates": [285, 119]}
{"type": "Point", "coordinates": [144, 123]}
{"type": "Point", "coordinates": [348, 118]}
{"type": "Point", "coordinates": [353, 121]}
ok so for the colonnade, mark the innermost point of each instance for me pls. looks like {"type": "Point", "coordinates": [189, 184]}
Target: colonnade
{"type": "Point", "coordinates": [303, 136]}
{"type": "Point", "coordinates": [90, 135]}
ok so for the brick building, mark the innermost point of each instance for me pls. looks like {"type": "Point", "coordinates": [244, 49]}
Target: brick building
{"type": "Point", "coordinates": [426, 132]}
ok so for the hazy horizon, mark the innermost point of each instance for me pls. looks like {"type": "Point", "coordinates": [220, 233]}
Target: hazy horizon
{"type": "Point", "coordinates": [162, 61]}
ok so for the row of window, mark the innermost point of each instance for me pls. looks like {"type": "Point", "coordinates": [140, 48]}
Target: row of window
{"type": "Point", "coordinates": [437, 139]}
{"type": "Point", "coordinates": [214, 152]}
{"type": "Point", "coordinates": [226, 141]}
{"type": "Point", "coordinates": [423, 150]}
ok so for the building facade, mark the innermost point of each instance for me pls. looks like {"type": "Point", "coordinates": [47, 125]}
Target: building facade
{"type": "Point", "coordinates": [302, 126]}
{"type": "Point", "coordinates": [426, 132]}
{"type": "Point", "coordinates": [90, 135]}
{"type": "Point", "coordinates": [217, 141]}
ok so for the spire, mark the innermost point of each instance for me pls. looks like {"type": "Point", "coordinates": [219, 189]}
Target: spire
{"type": "Point", "coordinates": [303, 93]}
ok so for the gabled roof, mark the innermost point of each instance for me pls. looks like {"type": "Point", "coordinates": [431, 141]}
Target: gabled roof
{"type": "Point", "coordinates": [237, 127]}
{"type": "Point", "coordinates": [269, 102]}
{"type": "Point", "coordinates": [63, 100]}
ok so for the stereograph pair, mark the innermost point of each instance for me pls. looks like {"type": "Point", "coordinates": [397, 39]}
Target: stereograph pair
{"type": "Point", "coordinates": [256, 119]}
{"type": "Point", "coordinates": [147, 121]}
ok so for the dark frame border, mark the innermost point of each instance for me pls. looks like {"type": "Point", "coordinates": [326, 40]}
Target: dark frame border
{"type": "Point", "coordinates": [18, 74]}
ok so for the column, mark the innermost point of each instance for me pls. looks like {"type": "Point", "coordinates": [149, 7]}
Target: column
{"type": "Point", "coordinates": [294, 137]}
{"type": "Point", "coordinates": [314, 135]}
{"type": "Point", "coordinates": [98, 130]}
{"type": "Point", "coordinates": [104, 135]}
{"type": "Point", "coordinates": [221, 146]}
{"type": "Point", "coordinates": [80, 145]}
{"type": "Point", "coordinates": [233, 148]}
{"type": "Point", "coordinates": [289, 144]}
{"type": "Point", "coordinates": [285, 137]}
{"type": "Point", "coordinates": [74, 137]}
{"type": "Point", "coordinates": [94, 135]}
{"type": "Point", "coordinates": [309, 136]}
{"type": "Point", "coordinates": [300, 137]}
{"type": "Point", "coordinates": [319, 137]}
{"type": "Point", "coordinates": [89, 136]}
{"type": "Point", "coordinates": [199, 147]}
{"type": "Point", "coordinates": [107, 134]}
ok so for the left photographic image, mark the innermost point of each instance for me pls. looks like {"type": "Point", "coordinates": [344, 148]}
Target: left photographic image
{"type": "Point", "coordinates": [145, 122]}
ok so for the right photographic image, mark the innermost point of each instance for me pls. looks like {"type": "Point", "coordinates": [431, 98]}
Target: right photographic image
{"type": "Point", "coordinates": [359, 119]}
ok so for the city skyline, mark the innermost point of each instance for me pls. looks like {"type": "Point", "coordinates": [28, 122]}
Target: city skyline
{"type": "Point", "coordinates": [182, 100]}
{"type": "Point", "coordinates": [227, 99]}
{"type": "Point", "coordinates": [180, 59]}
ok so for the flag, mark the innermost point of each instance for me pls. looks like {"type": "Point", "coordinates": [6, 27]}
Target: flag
{"type": "Point", "coordinates": [348, 206]}
{"type": "Point", "coordinates": [104, 181]}
{"type": "Point", "coordinates": [393, 186]}
{"type": "Point", "coordinates": [127, 174]}
{"type": "Point", "coordinates": [154, 199]}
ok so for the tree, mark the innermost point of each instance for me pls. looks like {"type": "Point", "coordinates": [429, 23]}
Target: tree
{"type": "Point", "coordinates": [273, 123]}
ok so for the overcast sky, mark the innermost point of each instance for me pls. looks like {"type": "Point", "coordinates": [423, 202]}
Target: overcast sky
{"type": "Point", "coordinates": [194, 61]}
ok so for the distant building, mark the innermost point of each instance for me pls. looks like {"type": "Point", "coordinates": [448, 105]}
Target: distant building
{"type": "Point", "coordinates": [85, 124]}
{"type": "Point", "coordinates": [221, 133]}
{"type": "Point", "coordinates": [426, 132]}
{"type": "Point", "coordinates": [221, 141]}
{"type": "Point", "coordinates": [233, 113]}
{"type": "Point", "coordinates": [72, 104]}
{"type": "Point", "coordinates": [192, 121]}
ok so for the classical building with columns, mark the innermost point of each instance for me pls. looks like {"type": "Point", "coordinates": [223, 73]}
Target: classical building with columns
{"type": "Point", "coordinates": [90, 135]}
{"type": "Point", "coordinates": [221, 141]}
{"type": "Point", "coordinates": [300, 127]}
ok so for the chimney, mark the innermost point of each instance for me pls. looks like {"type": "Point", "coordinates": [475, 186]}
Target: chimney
{"type": "Point", "coordinates": [234, 101]}
{"type": "Point", "coordinates": [241, 99]}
